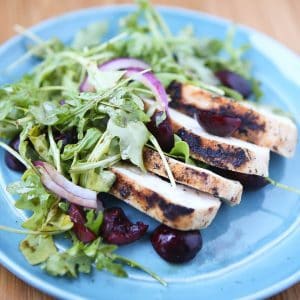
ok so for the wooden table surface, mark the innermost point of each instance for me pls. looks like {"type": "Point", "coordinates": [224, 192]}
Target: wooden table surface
{"type": "Point", "coordinates": [278, 18]}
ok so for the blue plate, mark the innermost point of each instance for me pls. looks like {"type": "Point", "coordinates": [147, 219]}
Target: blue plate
{"type": "Point", "coordinates": [250, 251]}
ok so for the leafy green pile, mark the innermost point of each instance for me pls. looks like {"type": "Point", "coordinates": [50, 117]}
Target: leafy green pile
{"type": "Point", "coordinates": [108, 124]}
{"type": "Point", "coordinates": [183, 57]}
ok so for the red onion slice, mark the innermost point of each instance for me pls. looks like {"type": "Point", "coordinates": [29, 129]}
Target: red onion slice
{"type": "Point", "coordinates": [85, 86]}
{"type": "Point", "coordinates": [150, 80]}
{"type": "Point", "coordinates": [114, 65]}
{"type": "Point", "coordinates": [134, 68]}
{"type": "Point", "coordinates": [123, 63]}
{"type": "Point", "coordinates": [64, 188]}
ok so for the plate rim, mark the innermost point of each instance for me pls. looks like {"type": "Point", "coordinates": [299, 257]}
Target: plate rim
{"type": "Point", "coordinates": [49, 289]}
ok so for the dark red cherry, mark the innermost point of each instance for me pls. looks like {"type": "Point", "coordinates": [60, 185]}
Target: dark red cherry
{"type": "Point", "coordinates": [77, 216]}
{"type": "Point", "coordinates": [218, 124]}
{"type": "Point", "coordinates": [67, 137]}
{"type": "Point", "coordinates": [160, 126]}
{"type": "Point", "coordinates": [118, 229]}
{"type": "Point", "coordinates": [235, 82]}
{"type": "Point", "coordinates": [249, 181]}
{"type": "Point", "coordinates": [176, 246]}
{"type": "Point", "coordinates": [10, 160]}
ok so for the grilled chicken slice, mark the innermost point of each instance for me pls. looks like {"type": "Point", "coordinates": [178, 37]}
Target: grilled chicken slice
{"type": "Point", "coordinates": [195, 177]}
{"type": "Point", "coordinates": [224, 153]}
{"type": "Point", "coordinates": [182, 208]}
{"type": "Point", "coordinates": [259, 125]}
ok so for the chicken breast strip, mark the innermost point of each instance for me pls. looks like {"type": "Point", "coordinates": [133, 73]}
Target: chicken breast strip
{"type": "Point", "coordinates": [198, 178]}
{"type": "Point", "coordinates": [182, 207]}
{"type": "Point", "coordinates": [259, 126]}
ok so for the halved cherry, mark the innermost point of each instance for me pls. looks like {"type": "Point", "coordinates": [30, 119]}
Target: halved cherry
{"type": "Point", "coordinates": [118, 229]}
{"type": "Point", "coordinates": [161, 127]}
{"type": "Point", "coordinates": [249, 181]}
{"type": "Point", "coordinates": [235, 82]}
{"type": "Point", "coordinates": [10, 160]}
{"type": "Point", "coordinates": [77, 216]}
{"type": "Point", "coordinates": [218, 124]}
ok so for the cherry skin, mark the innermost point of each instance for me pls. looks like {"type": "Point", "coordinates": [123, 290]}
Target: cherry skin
{"type": "Point", "coordinates": [249, 181]}
{"type": "Point", "coordinates": [176, 246]}
{"type": "Point", "coordinates": [217, 124]}
{"type": "Point", "coordinates": [162, 130]}
{"type": "Point", "coordinates": [118, 229]}
{"type": "Point", "coordinates": [13, 163]}
{"type": "Point", "coordinates": [235, 82]}
{"type": "Point", "coordinates": [77, 216]}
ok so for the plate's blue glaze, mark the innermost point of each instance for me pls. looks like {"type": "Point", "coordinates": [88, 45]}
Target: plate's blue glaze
{"type": "Point", "coordinates": [250, 251]}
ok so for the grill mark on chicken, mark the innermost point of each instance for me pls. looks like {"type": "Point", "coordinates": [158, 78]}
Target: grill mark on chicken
{"type": "Point", "coordinates": [170, 211]}
{"type": "Point", "coordinates": [218, 155]}
{"type": "Point", "coordinates": [174, 91]}
{"type": "Point", "coordinates": [149, 199]}
{"type": "Point", "coordinates": [190, 173]}
{"type": "Point", "coordinates": [250, 119]}
{"type": "Point", "coordinates": [192, 176]}
{"type": "Point", "coordinates": [186, 176]}
{"type": "Point", "coordinates": [215, 192]}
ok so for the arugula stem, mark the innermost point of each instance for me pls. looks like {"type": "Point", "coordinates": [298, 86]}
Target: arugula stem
{"type": "Point", "coordinates": [283, 186]}
{"type": "Point", "coordinates": [54, 88]}
{"type": "Point", "coordinates": [23, 58]}
{"type": "Point", "coordinates": [32, 232]}
{"type": "Point", "coordinates": [102, 56]}
{"type": "Point", "coordinates": [164, 160]}
{"type": "Point", "coordinates": [136, 265]}
{"type": "Point", "coordinates": [22, 30]}
{"type": "Point", "coordinates": [106, 44]}
{"type": "Point", "coordinates": [54, 150]}
{"type": "Point", "coordinates": [15, 154]}
{"type": "Point", "coordinates": [81, 167]}
{"type": "Point", "coordinates": [9, 122]}
{"type": "Point", "coordinates": [100, 148]}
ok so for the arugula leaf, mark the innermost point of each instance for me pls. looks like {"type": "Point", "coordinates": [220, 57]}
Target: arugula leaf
{"type": "Point", "coordinates": [5, 108]}
{"type": "Point", "coordinates": [54, 150]}
{"type": "Point", "coordinates": [40, 143]}
{"type": "Point", "coordinates": [101, 80]}
{"type": "Point", "coordinates": [23, 93]}
{"type": "Point", "coordinates": [79, 259]}
{"type": "Point", "coordinates": [64, 206]}
{"type": "Point", "coordinates": [257, 91]}
{"type": "Point", "coordinates": [104, 262]}
{"type": "Point", "coordinates": [94, 221]}
{"type": "Point", "coordinates": [99, 181]}
{"type": "Point", "coordinates": [34, 197]}
{"type": "Point", "coordinates": [89, 36]}
{"type": "Point", "coordinates": [232, 93]}
{"type": "Point", "coordinates": [89, 140]}
{"type": "Point", "coordinates": [46, 113]}
{"type": "Point", "coordinates": [8, 130]}
{"type": "Point", "coordinates": [37, 248]}
{"type": "Point", "coordinates": [133, 138]}
{"type": "Point", "coordinates": [180, 149]}
{"type": "Point", "coordinates": [68, 263]}
{"type": "Point", "coordinates": [57, 220]}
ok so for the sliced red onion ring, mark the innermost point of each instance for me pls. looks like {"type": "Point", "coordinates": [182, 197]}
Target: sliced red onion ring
{"type": "Point", "coordinates": [114, 65]}
{"type": "Point", "coordinates": [150, 80]}
{"type": "Point", "coordinates": [134, 68]}
{"type": "Point", "coordinates": [64, 188]}
{"type": "Point", "coordinates": [123, 63]}
{"type": "Point", "coordinates": [85, 86]}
